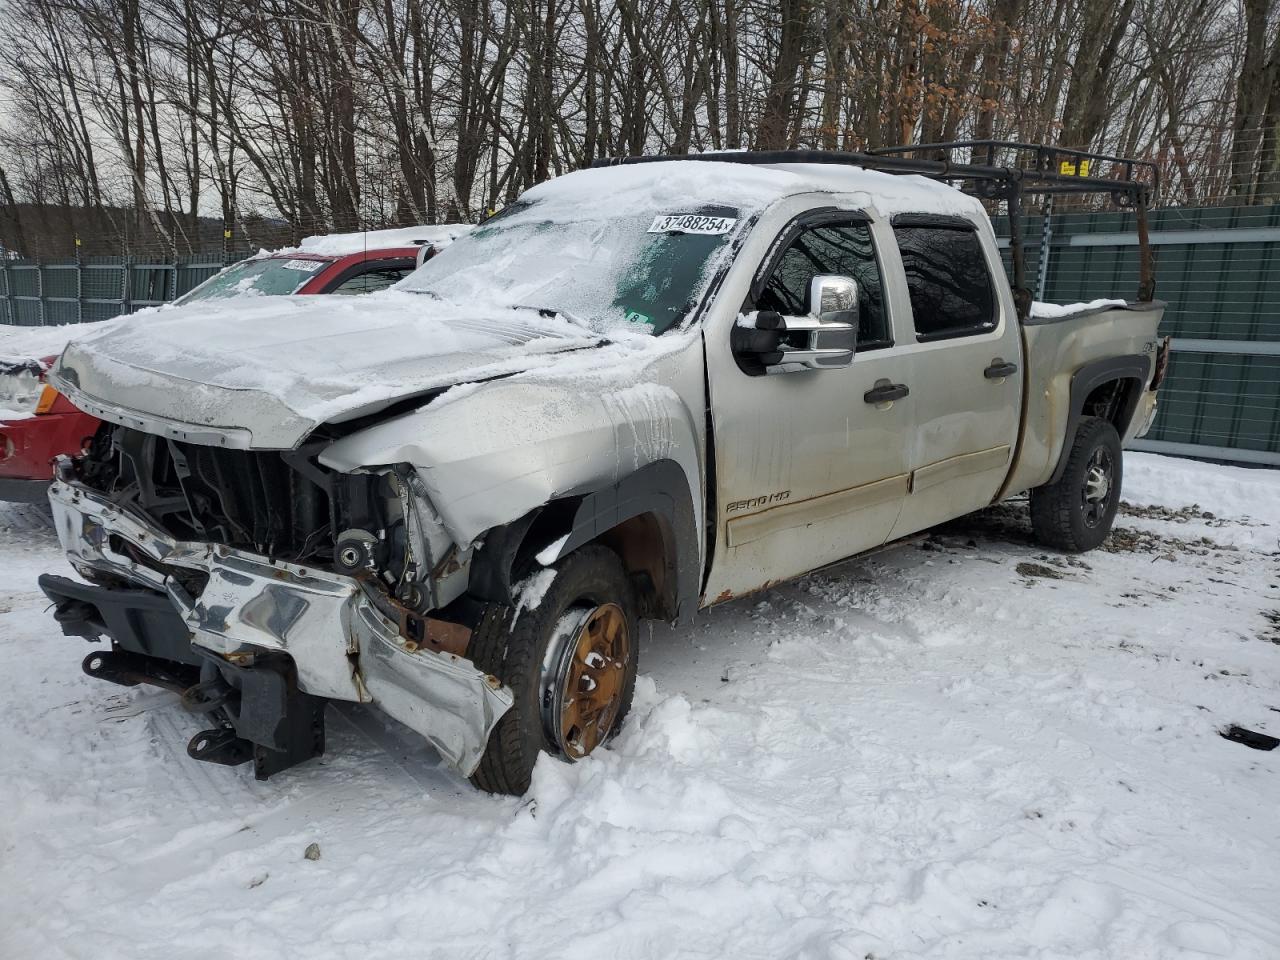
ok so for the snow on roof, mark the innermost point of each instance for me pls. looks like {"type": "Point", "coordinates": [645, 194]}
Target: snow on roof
{"type": "Point", "coordinates": [343, 244]}
{"type": "Point", "coordinates": [688, 184]}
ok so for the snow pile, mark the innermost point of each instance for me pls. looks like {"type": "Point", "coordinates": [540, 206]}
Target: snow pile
{"type": "Point", "coordinates": [1054, 311]}
{"type": "Point", "coordinates": [961, 750]}
{"type": "Point", "coordinates": [655, 188]}
{"type": "Point", "coordinates": [19, 344]}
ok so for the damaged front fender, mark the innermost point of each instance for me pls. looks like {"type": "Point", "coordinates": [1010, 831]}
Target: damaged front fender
{"type": "Point", "coordinates": [489, 454]}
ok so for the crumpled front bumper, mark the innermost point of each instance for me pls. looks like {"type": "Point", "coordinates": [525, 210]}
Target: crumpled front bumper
{"type": "Point", "coordinates": [341, 645]}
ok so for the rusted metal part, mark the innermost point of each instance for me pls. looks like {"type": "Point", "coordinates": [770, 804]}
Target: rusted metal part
{"type": "Point", "coordinates": [422, 632]}
{"type": "Point", "coordinates": [449, 564]}
{"type": "Point", "coordinates": [767, 585]}
{"type": "Point", "coordinates": [1146, 256]}
{"type": "Point", "coordinates": [446, 636]}
{"type": "Point", "coordinates": [591, 679]}
{"type": "Point", "coordinates": [1162, 363]}
{"type": "Point", "coordinates": [640, 543]}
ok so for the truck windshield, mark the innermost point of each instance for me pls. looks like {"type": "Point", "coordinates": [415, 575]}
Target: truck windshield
{"type": "Point", "coordinates": [263, 277]}
{"type": "Point", "coordinates": [648, 271]}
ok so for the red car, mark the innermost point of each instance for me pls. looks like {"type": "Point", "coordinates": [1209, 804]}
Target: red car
{"type": "Point", "coordinates": [37, 423]}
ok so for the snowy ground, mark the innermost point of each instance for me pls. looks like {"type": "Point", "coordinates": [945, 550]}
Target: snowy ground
{"type": "Point", "coordinates": [960, 748]}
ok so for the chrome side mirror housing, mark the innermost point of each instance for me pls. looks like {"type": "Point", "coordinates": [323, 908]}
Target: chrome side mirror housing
{"type": "Point", "coordinates": [825, 338]}
{"type": "Point", "coordinates": [828, 335]}
{"type": "Point", "coordinates": [833, 299]}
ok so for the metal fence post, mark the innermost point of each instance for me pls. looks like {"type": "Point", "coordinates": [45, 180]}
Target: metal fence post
{"type": "Point", "coordinates": [79, 284]}
{"type": "Point", "coordinates": [126, 285]}
{"type": "Point", "coordinates": [1046, 236]}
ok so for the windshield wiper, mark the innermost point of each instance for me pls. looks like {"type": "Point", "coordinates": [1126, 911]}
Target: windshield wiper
{"type": "Point", "coordinates": [550, 312]}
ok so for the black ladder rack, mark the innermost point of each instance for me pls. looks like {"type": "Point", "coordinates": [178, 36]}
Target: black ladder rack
{"type": "Point", "coordinates": [1035, 170]}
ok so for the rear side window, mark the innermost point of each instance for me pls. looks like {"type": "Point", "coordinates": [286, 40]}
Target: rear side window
{"type": "Point", "coordinates": [371, 280]}
{"type": "Point", "coordinates": [842, 249]}
{"type": "Point", "coordinates": [950, 284]}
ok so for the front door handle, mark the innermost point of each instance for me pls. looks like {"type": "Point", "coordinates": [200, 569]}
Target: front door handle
{"type": "Point", "coordinates": [886, 392]}
{"type": "Point", "coordinates": [1000, 369]}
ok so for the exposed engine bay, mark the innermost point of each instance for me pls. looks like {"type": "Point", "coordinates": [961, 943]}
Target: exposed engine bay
{"type": "Point", "coordinates": [257, 584]}
{"type": "Point", "coordinates": [283, 505]}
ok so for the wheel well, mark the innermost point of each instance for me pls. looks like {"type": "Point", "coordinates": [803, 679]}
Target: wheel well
{"type": "Point", "coordinates": [647, 518]}
{"type": "Point", "coordinates": [648, 554]}
{"type": "Point", "coordinates": [644, 543]}
{"type": "Point", "coordinates": [1114, 401]}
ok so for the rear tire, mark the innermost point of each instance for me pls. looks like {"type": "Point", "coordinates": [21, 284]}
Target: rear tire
{"type": "Point", "coordinates": [572, 685]}
{"type": "Point", "coordinates": [1076, 513]}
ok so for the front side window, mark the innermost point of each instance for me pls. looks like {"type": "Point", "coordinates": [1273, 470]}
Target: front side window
{"type": "Point", "coordinates": [843, 249]}
{"type": "Point", "coordinates": [949, 281]}
{"type": "Point", "coordinates": [260, 277]}
{"type": "Point", "coordinates": [647, 271]}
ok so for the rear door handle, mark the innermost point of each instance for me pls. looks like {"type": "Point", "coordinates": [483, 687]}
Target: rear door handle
{"type": "Point", "coordinates": [886, 392]}
{"type": "Point", "coordinates": [1000, 369]}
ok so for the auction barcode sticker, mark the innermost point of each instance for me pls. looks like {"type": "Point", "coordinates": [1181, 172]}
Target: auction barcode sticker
{"type": "Point", "coordinates": [692, 223]}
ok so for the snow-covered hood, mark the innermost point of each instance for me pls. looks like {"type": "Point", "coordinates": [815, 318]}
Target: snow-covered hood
{"type": "Point", "coordinates": [265, 373]}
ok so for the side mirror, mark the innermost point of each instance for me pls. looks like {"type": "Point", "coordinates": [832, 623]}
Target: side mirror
{"type": "Point", "coordinates": [425, 253]}
{"type": "Point", "coordinates": [824, 339]}
{"type": "Point", "coordinates": [834, 299]}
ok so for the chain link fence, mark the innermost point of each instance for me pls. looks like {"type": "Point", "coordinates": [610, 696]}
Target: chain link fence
{"type": "Point", "coordinates": [76, 291]}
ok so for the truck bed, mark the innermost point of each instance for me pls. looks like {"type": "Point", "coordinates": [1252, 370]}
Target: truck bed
{"type": "Point", "coordinates": [1055, 349]}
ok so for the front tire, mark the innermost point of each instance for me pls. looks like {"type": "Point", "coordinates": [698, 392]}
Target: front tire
{"type": "Point", "coordinates": [571, 663]}
{"type": "Point", "coordinates": [1076, 513]}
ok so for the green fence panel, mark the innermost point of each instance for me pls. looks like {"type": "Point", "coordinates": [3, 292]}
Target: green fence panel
{"type": "Point", "coordinates": [1218, 268]}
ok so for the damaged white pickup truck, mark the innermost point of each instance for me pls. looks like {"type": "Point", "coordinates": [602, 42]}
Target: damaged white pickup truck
{"type": "Point", "coordinates": [637, 391]}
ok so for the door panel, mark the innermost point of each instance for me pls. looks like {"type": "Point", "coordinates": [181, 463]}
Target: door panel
{"type": "Point", "coordinates": [805, 513]}
{"type": "Point", "coordinates": [807, 471]}
{"type": "Point", "coordinates": [966, 413]}
{"type": "Point", "coordinates": [960, 467]}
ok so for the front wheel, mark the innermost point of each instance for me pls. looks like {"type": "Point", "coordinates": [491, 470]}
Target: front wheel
{"type": "Point", "coordinates": [1076, 513]}
{"type": "Point", "coordinates": [571, 663]}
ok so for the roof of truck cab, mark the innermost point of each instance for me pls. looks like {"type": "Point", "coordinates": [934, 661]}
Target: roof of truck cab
{"type": "Point", "coordinates": [673, 186]}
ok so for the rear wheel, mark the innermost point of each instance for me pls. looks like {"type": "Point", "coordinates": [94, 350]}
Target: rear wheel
{"type": "Point", "coordinates": [571, 663]}
{"type": "Point", "coordinates": [1076, 513]}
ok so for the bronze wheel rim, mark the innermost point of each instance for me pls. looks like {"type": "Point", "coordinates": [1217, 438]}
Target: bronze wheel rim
{"type": "Point", "coordinates": [587, 688]}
